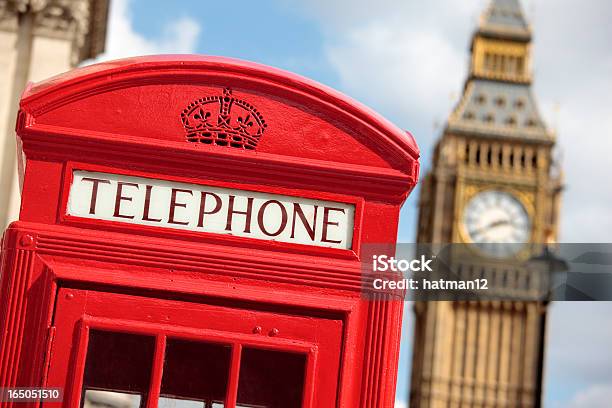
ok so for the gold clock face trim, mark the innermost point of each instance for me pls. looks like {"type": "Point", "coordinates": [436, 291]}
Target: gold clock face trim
{"type": "Point", "coordinates": [497, 222]}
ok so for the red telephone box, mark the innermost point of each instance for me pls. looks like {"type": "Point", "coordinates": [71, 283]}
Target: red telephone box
{"type": "Point", "coordinates": [191, 230]}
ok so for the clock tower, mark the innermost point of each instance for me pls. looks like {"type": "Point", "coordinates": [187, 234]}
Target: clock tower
{"type": "Point", "coordinates": [494, 187]}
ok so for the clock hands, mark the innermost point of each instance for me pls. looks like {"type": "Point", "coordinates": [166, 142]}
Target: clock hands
{"type": "Point", "coordinates": [492, 225]}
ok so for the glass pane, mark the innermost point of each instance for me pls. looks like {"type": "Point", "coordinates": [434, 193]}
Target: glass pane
{"type": "Point", "coordinates": [195, 374]}
{"type": "Point", "coordinates": [271, 379]}
{"type": "Point", "coordinates": [110, 399]}
{"type": "Point", "coordinates": [165, 402]}
{"type": "Point", "coordinates": [119, 364]}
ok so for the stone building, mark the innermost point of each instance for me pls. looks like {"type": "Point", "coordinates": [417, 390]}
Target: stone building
{"type": "Point", "coordinates": [39, 39]}
{"type": "Point", "coordinates": [492, 181]}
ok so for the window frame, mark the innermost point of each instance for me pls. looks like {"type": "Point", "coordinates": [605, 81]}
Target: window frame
{"type": "Point", "coordinates": [74, 310]}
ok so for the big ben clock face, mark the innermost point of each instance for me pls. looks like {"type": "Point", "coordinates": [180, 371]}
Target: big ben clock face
{"type": "Point", "coordinates": [497, 223]}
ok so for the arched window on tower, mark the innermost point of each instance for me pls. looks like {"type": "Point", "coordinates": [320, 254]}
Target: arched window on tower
{"type": "Point", "coordinates": [520, 66]}
{"type": "Point", "coordinates": [488, 65]}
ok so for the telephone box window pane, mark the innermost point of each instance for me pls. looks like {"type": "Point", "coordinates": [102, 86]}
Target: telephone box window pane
{"type": "Point", "coordinates": [271, 379]}
{"type": "Point", "coordinates": [195, 371]}
{"type": "Point", "coordinates": [165, 402]}
{"type": "Point", "coordinates": [118, 362]}
{"type": "Point", "coordinates": [106, 399]}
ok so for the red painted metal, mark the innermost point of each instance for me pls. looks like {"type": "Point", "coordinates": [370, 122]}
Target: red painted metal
{"type": "Point", "coordinates": [80, 311]}
{"type": "Point", "coordinates": [124, 117]}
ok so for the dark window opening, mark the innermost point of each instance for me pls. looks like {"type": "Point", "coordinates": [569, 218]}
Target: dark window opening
{"type": "Point", "coordinates": [519, 104]}
{"type": "Point", "coordinates": [271, 379]}
{"type": "Point", "coordinates": [195, 372]}
{"type": "Point", "coordinates": [118, 368]}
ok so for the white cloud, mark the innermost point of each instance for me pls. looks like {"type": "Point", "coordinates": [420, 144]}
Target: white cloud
{"type": "Point", "coordinates": [176, 37]}
{"type": "Point", "coordinates": [397, 56]}
{"type": "Point", "coordinates": [573, 64]}
{"type": "Point", "coordinates": [401, 404]}
{"type": "Point", "coordinates": [406, 59]}
{"type": "Point", "coordinates": [578, 351]}
{"type": "Point", "coordinates": [396, 77]}
{"type": "Point", "coordinates": [596, 396]}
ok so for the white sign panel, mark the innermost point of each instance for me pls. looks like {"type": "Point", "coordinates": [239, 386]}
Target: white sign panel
{"type": "Point", "coordinates": [192, 207]}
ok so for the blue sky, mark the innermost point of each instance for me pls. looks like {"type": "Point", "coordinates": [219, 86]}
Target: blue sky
{"type": "Point", "coordinates": [408, 60]}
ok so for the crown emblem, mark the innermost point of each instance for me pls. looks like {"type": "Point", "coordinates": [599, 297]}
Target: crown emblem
{"type": "Point", "coordinates": [224, 121]}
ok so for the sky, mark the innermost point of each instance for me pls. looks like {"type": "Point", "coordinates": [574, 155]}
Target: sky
{"type": "Point", "coordinates": [408, 60]}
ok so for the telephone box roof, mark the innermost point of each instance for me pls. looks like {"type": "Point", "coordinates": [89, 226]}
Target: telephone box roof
{"type": "Point", "coordinates": [75, 84]}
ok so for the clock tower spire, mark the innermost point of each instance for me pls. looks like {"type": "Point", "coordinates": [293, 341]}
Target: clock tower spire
{"type": "Point", "coordinates": [492, 181]}
{"type": "Point", "coordinates": [500, 45]}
